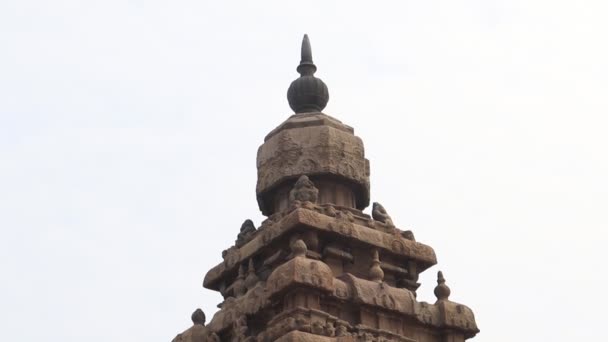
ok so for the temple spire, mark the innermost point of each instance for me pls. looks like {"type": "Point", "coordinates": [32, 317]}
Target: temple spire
{"type": "Point", "coordinates": [306, 67]}
{"type": "Point", "coordinates": [442, 291]}
{"type": "Point", "coordinates": [307, 94]}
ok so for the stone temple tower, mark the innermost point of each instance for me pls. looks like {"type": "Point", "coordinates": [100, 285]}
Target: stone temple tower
{"type": "Point", "coordinates": [319, 268]}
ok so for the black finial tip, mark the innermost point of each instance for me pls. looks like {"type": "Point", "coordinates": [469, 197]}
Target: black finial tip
{"type": "Point", "coordinates": [306, 50]}
{"type": "Point", "coordinates": [306, 67]}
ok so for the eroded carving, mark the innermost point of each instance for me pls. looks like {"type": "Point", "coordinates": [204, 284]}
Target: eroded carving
{"type": "Point", "coordinates": [408, 235]}
{"type": "Point", "coordinates": [246, 234]}
{"type": "Point", "coordinates": [304, 191]}
{"type": "Point", "coordinates": [380, 214]}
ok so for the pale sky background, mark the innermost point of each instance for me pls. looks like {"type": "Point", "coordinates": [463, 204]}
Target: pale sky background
{"type": "Point", "coordinates": [129, 130]}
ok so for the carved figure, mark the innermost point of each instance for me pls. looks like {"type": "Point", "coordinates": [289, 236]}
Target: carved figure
{"type": "Point", "coordinates": [246, 233]}
{"type": "Point", "coordinates": [380, 214]}
{"type": "Point", "coordinates": [198, 317]}
{"type": "Point", "coordinates": [304, 190]}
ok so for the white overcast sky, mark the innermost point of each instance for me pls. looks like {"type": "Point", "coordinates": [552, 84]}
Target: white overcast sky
{"type": "Point", "coordinates": [129, 130]}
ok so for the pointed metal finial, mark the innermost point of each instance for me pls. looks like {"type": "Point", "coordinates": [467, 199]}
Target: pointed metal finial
{"type": "Point", "coordinates": [307, 94]}
{"type": "Point", "coordinates": [306, 67]}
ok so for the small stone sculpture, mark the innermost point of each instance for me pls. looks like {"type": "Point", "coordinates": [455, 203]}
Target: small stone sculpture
{"type": "Point", "coordinates": [304, 190]}
{"type": "Point", "coordinates": [298, 248]}
{"type": "Point", "coordinates": [198, 317]}
{"type": "Point", "coordinates": [246, 233]}
{"type": "Point", "coordinates": [198, 332]}
{"type": "Point", "coordinates": [442, 291]}
{"type": "Point", "coordinates": [380, 214]}
{"type": "Point", "coordinates": [375, 272]}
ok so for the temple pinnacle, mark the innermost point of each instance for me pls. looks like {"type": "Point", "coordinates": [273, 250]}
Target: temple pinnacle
{"type": "Point", "coordinates": [376, 273]}
{"type": "Point", "coordinates": [307, 93]}
{"type": "Point", "coordinates": [306, 67]}
{"type": "Point", "coordinates": [442, 291]}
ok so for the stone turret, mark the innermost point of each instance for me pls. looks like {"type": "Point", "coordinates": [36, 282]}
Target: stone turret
{"type": "Point", "coordinates": [314, 144]}
{"type": "Point", "coordinates": [319, 269]}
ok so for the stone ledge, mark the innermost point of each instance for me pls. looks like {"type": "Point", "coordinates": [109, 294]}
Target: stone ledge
{"type": "Point", "coordinates": [391, 243]}
{"type": "Point", "coordinates": [300, 336]}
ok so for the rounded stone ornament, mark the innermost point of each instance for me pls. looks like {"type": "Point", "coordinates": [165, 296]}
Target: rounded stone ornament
{"type": "Point", "coordinates": [307, 93]}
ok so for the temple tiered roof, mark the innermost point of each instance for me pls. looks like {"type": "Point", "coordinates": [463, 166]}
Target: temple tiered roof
{"type": "Point", "coordinates": [319, 268]}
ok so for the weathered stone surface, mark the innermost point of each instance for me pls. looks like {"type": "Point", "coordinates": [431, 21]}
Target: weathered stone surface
{"type": "Point", "coordinates": [381, 295]}
{"type": "Point", "coordinates": [311, 144]}
{"type": "Point", "coordinates": [298, 336]}
{"type": "Point", "coordinates": [301, 271]}
{"type": "Point", "coordinates": [339, 227]}
{"type": "Point", "coordinates": [458, 317]}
